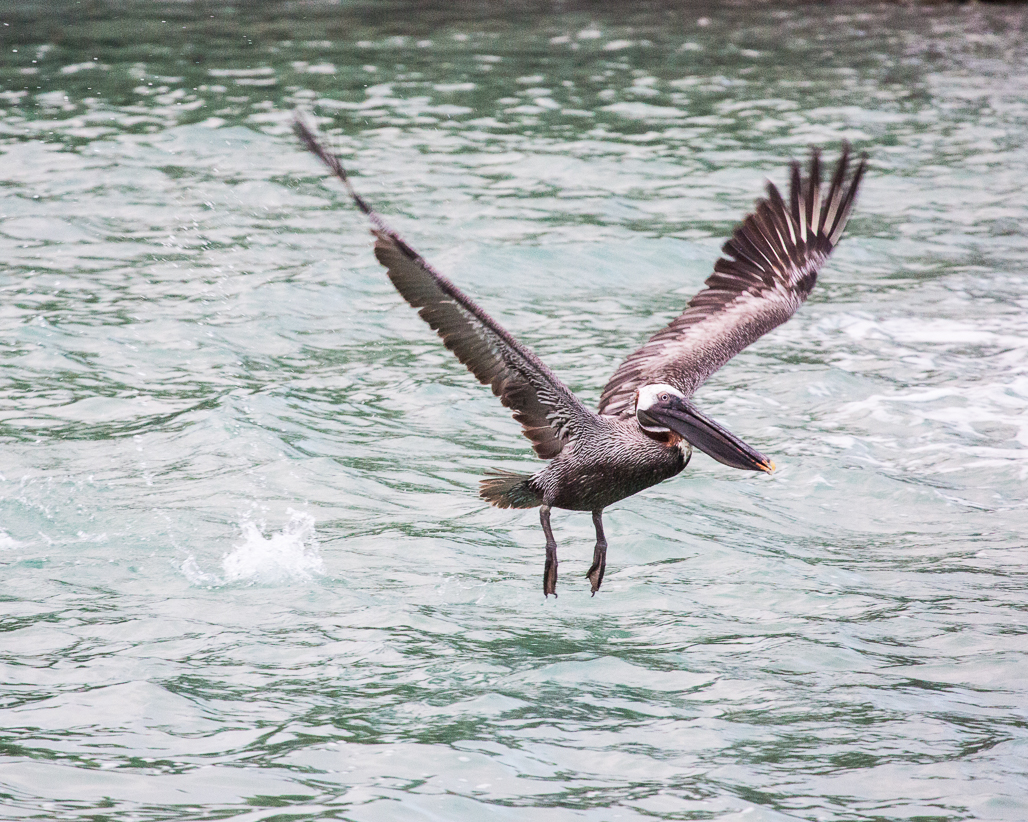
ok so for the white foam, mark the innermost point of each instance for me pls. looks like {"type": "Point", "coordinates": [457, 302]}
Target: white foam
{"type": "Point", "coordinates": [7, 541]}
{"type": "Point", "coordinates": [289, 555]}
{"type": "Point", "coordinates": [644, 111]}
{"type": "Point", "coordinates": [919, 331]}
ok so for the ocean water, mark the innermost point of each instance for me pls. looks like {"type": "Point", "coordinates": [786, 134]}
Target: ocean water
{"type": "Point", "coordinates": [244, 571]}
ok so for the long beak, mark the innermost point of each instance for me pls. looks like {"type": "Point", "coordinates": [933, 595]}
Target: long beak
{"type": "Point", "coordinates": [705, 434]}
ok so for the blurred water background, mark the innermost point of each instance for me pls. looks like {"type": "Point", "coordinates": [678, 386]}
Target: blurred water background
{"type": "Point", "coordinates": [246, 574]}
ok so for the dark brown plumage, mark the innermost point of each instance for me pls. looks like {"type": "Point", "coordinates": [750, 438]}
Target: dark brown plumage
{"type": "Point", "coordinates": [646, 425]}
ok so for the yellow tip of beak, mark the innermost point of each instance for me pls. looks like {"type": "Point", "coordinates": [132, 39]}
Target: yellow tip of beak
{"type": "Point", "coordinates": [769, 467]}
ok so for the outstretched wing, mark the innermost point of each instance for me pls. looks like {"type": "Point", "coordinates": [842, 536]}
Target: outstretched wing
{"type": "Point", "coordinates": [771, 266]}
{"type": "Point", "coordinates": [547, 410]}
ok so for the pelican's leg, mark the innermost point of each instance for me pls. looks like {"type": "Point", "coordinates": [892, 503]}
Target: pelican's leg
{"type": "Point", "coordinates": [550, 570]}
{"type": "Point", "coordinates": [595, 572]}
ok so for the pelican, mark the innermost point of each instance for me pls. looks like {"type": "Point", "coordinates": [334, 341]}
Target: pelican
{"type": "Point", "coordinates": [646, 425]}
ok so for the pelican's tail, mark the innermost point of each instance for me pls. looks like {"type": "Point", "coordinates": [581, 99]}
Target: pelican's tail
{"type": "Point", "coordinates": [505, 489]}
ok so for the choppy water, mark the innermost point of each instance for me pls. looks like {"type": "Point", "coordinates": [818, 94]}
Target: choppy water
{"type": "Point", "coordinates": [245, 571]}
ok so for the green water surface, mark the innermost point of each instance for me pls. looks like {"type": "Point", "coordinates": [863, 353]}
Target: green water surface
{"type": "Point", "coordinates": [244, 571]}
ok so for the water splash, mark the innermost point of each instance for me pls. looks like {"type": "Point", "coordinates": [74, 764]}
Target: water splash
{"type": "Point", "coordinates": [289, 555]}
{"type": "Point", "coordinates": [7, 541]}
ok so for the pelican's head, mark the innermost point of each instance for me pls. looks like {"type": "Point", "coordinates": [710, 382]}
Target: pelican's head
{"type": "Point", "coordinates": [663, 409]}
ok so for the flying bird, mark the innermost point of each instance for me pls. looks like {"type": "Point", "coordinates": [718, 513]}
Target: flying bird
{"type": "Point", "coordinates": [646, 425]}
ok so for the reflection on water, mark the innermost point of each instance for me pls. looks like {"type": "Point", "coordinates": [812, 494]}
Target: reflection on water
{"type": "Point", "coordinates": [246, 572]}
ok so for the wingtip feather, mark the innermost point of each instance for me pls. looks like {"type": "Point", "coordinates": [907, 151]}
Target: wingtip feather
{"type": "Point", "coordinates": [770, 265]}
{"type": "Point", "coordinates": [335, 165]}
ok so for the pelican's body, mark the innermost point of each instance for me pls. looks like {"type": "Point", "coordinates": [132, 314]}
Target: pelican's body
{"type": "Point", "coordinates": [613, 460]}
{"type": "Point", "coordinates": [645, 427]}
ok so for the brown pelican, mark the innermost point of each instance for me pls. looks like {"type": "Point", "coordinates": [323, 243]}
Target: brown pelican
{"type": "Point", "coordinates": [646, 425]}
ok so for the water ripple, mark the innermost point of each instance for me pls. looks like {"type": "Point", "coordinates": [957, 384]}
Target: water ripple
{"type": "Point", "coordinates": [246, 572]}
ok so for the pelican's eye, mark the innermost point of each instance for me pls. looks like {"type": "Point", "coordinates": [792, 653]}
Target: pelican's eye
{"type": "Point", "coordinates": [664, 397]}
